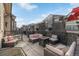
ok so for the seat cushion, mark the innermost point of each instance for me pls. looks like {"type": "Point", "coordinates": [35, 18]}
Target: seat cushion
{"type": "Point", "coordinates": [35, 36]}
{"type": "Point", "coordinates": [55, 50]}
{"type": "Point", "coordinates": [54, 36]}
{"type": "Point", "coordinates": [62, 47]}
{"type": "Point", "coordinates": [53, 39]}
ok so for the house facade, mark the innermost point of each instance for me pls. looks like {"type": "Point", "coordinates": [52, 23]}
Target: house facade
{"type": "Point", "coordinates": [54, 23]}
{"type": "Point", "coordinates": [1, 22]}
{"type": "Point", "coordinates": [6, 20]}
{"type": "Point", "coordinates": [9, 20]}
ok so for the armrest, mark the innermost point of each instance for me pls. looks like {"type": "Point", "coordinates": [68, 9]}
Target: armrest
{"type": "Point", "coordinates": [55, 50]}
{"type": "Point", "coordinates": [71, 50]}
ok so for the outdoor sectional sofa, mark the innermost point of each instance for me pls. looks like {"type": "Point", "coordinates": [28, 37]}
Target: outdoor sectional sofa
{"type": "Point", "coordinates": [35, 37]}
{"type": "Point", "coordinates": [65, 48]}
{"type": "Point", "coordinates": [10, 41]}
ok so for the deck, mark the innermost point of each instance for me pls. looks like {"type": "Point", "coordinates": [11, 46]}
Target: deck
{"type": "Point", "coordinates": [31, 49]}
{"type": "Point", "coordinates": [37, 50]}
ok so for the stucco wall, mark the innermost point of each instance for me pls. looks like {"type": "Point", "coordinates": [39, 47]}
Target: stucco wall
{"type": "Point", "coordinates": [8, 27]}
{"type": "Point", "coordinates": [1, 22]}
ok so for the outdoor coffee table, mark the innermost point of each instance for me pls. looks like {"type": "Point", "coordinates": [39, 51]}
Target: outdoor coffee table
{"type": "Point", "coordinates": [43, 41]}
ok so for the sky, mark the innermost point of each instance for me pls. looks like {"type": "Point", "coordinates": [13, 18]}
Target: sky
{"type": "Point", "coordinates": [27, 13]}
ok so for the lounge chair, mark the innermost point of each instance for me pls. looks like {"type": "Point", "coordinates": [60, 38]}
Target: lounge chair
{"type": "Point", "coordinates": [35, 37]}
{"type": "Point", "coordinates": [66, 48]}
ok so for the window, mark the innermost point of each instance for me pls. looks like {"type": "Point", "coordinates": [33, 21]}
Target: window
{"type": "Point", "coordinates": [72, 27]}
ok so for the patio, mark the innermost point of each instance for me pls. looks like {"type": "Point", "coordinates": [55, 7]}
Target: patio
{"type": "Point", "coordinates": [32, 49]}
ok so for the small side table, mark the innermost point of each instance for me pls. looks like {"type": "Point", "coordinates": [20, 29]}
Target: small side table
{"type": "Point", "coordinates": [43, 41]}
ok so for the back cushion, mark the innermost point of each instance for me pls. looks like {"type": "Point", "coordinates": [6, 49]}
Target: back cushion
{"type": "Point", "coordinates": [54, 36]}
{"type": "Point", "coordinates": [70, 38]}
{"type": "Point", "coordinates": [35, 35]}
{"type": "Point", "coordinates": [61, 38]}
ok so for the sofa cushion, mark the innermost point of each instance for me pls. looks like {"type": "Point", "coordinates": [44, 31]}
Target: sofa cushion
{"type": "Point", "coordinates": [54, 36]}
{"type": "Point", "coordinates": [71, 49]}
{"type": "Point", "coordinates": [12, 41]}
{"type": "Point", "coordinates": [62, 47]}
{"type": "Point", "coordinates": [10, 38]}
{"type": "Point", "coordinates": [53, 39]}
{"type": "Point", "coordinates": [35, 36]}
{"type": "Point", "coordinates": [55, 50]}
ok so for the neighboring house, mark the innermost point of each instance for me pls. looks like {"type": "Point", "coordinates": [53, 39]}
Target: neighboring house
{"type": "Point", "coordinates": [14, 28]}
{"type": "Point", "coordinates": [36, 27]}
{"type": "Point", "coordinates": [9, 19]}
{"type": "Point", "coordinates": [31, 27]}
{"type": "Point", "coordinates": [48, 21]}
{"type": "Point", "coordinates": [54, 22]}
{"type": "Point", "coordinates": [41, 27]}
{"type": "Point", "coordinates": [58, 25]}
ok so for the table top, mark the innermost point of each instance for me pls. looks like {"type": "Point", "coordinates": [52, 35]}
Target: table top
{"type": "Point", "coordinates": [44, 38]}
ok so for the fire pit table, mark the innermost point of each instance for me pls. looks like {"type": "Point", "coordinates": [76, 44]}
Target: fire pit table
{"type": "Point", "coordinates": [43, 41]}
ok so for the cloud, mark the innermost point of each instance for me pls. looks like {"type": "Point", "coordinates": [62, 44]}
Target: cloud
{"type": "Point", "coordinates": [35, 21]}
{"type": "Point", "coordinates": [45, 15]}
{"type": "Point", "coordinates": [28, 6]}
{"type": "Point", "coordinates": [40, 19]}
{"type": "Point", "coordinates": [73, 5]}
{"type": "Point", "coordinates": [60, 11]}
{"type": "Point", "coordinates": [65, 10]}
{"type": "Point", "coordinates": [20, 21]}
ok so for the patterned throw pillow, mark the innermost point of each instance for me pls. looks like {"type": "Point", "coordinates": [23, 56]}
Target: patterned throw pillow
{"type": "Point", "coordinates": [54, 38]}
